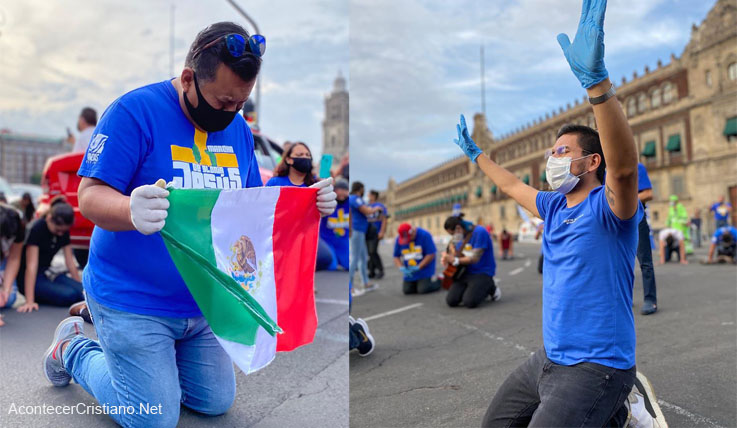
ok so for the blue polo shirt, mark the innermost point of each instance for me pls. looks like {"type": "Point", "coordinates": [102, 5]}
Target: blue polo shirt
{"type": "Point", "coordinates": [480, 240]}
{"type": "Point", "coordinates": [588, 276]}
{"type": "Point", "coordinates": [358, 220]}
{"type": "Point", "coordinates": [143, 136]}
{"type": "Point", "coordinates": [414, 251]}
{"type": "Point", "coordinates": [721, 211]}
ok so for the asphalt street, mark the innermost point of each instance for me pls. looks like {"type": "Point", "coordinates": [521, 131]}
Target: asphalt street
{"type": "Point", "coordinates": [307, 387]}
{"type": "Point", "coordinates": [436, 366]}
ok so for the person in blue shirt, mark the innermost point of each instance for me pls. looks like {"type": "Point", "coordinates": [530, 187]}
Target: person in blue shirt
{"type": "Point", "coordinates": [295, 167]}
{"type": "Point", "coordinates": [586, 367]}
{"type": "Point", "coordinates": [644, 248]}
{"type": "Point", "coordinates": [722, 211]}
{"type": "Point", "coordinates": [359, 225]}
{"type": "Point", "coordinates": [723, 243]}
{"type": "Point", "coordinates": [414, 255]}
{"type": "Point", "coordinates": [374, 235]}
{"type": "Point", "coordinates": [334, 228]}
{"type": "Point", "coordinates": [154, 346]}
{"type": "Point", "coordinates": [472, 253]}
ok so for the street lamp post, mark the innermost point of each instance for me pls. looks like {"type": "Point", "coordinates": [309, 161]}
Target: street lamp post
{"type": "Point", "coordinates": [258, 79]}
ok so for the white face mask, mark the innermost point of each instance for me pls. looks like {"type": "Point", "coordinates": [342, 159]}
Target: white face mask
{"type": "Point", "coordinates": [558, 174]}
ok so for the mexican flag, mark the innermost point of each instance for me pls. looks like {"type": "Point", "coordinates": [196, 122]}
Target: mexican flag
{"type": "Point", "coordinates": [248, 258]}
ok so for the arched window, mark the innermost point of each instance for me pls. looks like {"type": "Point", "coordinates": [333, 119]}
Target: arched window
{"type": "Point", "coordinates": [641, 103]}
{"type": "Point", "coordinates": [732, 71]}
{"type": "Point", "coordinates": [668, 92]}
{"type": "Point", "coordinates": [655, 98]}
{"type": "Point", "coordinates": [631, 107]}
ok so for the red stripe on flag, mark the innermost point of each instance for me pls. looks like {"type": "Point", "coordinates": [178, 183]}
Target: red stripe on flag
{"type": "Point", "coordinates": [295, 235]}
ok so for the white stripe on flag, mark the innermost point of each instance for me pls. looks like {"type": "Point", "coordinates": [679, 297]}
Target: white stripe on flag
{"type": "Point", "coordinates": [229, 233]}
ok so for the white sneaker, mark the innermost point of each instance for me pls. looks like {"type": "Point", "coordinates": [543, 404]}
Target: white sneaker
{"type": "Point", "coordinates": [371, 287]}
{"type": "Point", "coordinates": [358, 292]}
{"type": "Point", "coordinates": [641, 397]}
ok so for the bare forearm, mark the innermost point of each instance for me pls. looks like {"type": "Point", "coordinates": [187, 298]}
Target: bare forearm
{"type": "Point", "coordinates": [425, 261]}
{"type": "Point", "coordinates": [509, 183]}
{"type": "Point", "coordinates": [616, 137]}
{"type": "Point", "coordinates": [645, 196]}
{"type": "Point", "coordinates": [11, 272]}
{"type": "Point", "coordinates": [30, 280]}
{"type": "Point", "coordinates": [397, 262]}
{"type": "Point", "coordinates": [106, 207]}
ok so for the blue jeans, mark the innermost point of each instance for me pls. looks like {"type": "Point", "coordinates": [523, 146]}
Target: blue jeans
{"type": "Point", "coordinates": [359, 255]}
{"type": "Point", "coordinates": [541, 393]}
{"type": "Point", "coordinates": [13, 288]}
{"type": "Point", "coordinates": [62, 291]}
{"type": "Point", "coordinates": [143, 360]}
{"type": "Point", "coordinates": [645, 257]}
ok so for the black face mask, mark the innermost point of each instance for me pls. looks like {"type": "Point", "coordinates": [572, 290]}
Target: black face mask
{"type": "Point", "coordinates": [340, 201]}
{"type": "Point", "coordinates": [206, 117]}
{"type": "Point", "coordinates": [303, 165]}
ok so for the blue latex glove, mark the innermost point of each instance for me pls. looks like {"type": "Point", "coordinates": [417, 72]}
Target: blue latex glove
{"type": "Point", "coordinates": [413, 269]}
{"type": "Point", "coordinates": [465, 142]}
{"type": "Point", "coordinates": [404, 271]}
{"type": "Point", "coordinates": [586, 54]}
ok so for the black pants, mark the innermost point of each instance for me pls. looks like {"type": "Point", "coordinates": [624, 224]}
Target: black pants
{"type": "Point", "coordinates": [471, 289]}
{"type": "Point", "coordinates": [645, 257]}
{"type": "Point", "coordinates": [541, 393]}
{"type": "Point", "coordinates": [374, 260]}
{"type": "Point", "coordinates": [421, 286]}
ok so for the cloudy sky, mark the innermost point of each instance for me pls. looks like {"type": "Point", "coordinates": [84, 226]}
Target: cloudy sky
{"type": "Point", "coordinates": [59, 56]}
{"type": "Point", "coordinates": [415, 68]}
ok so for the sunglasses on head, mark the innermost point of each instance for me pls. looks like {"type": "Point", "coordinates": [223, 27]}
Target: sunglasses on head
{"type": "Point", "coordinates": [237, 45]}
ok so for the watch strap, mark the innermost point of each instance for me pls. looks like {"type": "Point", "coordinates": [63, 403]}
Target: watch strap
{"type": "Point", "coordinates": [601, 98]}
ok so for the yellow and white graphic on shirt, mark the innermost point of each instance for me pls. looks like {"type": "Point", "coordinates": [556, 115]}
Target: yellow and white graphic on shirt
{"type": "Point", "coordinates": [339, 223]}
{"type": "Point", "coordinates": [412, 255]}
{"type": "Point", "coordinates": [205, 167]}
{"type": "Point", "coordinates": [468, 251]}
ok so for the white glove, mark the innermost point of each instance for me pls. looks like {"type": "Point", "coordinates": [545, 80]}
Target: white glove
{"type": "Point", "coordinates": [326, 197]}
{"type": "Point", "coordinates": [148, 208]}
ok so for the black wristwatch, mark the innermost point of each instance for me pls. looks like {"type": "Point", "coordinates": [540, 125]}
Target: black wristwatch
{"type": "Point", "coordinates": [601, 98]}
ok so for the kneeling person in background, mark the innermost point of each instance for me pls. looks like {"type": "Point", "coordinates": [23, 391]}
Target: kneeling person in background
{"type": "Point", "coordinates": [472, 251]}
{"type": "Point", "coordinates": [414, 255]}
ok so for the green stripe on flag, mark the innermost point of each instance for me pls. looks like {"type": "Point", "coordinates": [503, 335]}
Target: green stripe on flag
{"type": "Point", "coordinates": [233, 314]}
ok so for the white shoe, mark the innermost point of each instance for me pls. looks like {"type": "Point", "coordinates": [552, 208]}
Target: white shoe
{"type": "Point", "coordinates": [641, 397]}
{"type": "Point", "coordinates": [371, 287]}
{"type": "Point", "coordinates": [357, 292]}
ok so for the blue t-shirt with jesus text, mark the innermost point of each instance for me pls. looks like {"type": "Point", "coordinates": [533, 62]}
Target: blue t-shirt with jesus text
{"type": "Point", "coordinates": [412, 253]}
{"type": "Point", "coordinates": [144, 136]}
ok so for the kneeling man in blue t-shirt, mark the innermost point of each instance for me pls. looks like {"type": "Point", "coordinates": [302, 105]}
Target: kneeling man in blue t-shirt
{"type": "Point", "coordinates": [414, 255]}
{"type": "Point", "coordinates": [583, 374]}
{"type": "Point", "coordinates": [155, 349]}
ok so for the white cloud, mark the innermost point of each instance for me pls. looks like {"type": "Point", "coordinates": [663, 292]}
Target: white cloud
{"type": "Point", "coordinates": [57, 57]}
{"type": "Point", "coordinates": [415, 67]}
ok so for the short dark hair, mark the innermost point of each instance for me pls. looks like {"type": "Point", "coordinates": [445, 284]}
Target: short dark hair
{"type": "Point", "coordinates": [62, 214]}
{"type": "Point", "coordinates": [206, 62]}
{"type": "Point", "coordinates": [453, 221]}
{"type": "Point", "coordinates": [10, 222]}
{"type": "Point", "coordinates": [89, 115]}
{"type": "Point", "coordinates": [356, 186]}
{"type": "Point", "coordinates": [374, 193]}
{"type": "Point", "coordinates": [589, 141]}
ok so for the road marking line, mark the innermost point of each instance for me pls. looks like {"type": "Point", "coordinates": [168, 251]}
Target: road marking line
{"type": "Point", "coordinates": [333, 301]}
{"type": "Point", "coordinates": [527, 263]}
{"type": "Point", "coordinates": [516, 271]}
{"type": "Point", "coordinates": [683, 412]}
{"type": "Point", "coordinates": [392, 312]}
{"type": "Point", "coordinates": [489, 335]}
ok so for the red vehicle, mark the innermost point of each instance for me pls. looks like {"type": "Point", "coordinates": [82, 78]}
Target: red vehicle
{"type": "Point", "coordinates": [60, 178]}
